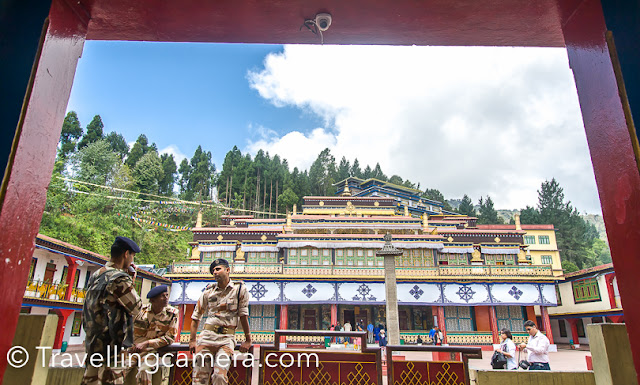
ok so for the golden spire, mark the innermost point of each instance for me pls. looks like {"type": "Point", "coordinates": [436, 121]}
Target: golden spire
{"type": "Point", "coordinates": [199, 220]}
{"type": "Point", "coordinates": [346, 192]}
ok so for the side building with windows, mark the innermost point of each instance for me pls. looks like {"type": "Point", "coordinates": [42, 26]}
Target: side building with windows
{"type": "Point", "coordinates": [586, 296]}
{"type": "Point", "coordinates": [57, 283]}
{"type": "Point", "coordinates": [540, 240]}
{"type": "Point", "coordinates": [319, 268]}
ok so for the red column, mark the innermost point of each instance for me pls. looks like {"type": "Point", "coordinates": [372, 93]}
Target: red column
{"type": "Point", "coordinates": [611, 149]}
{"type": "Point", "coordinates": [441, 323]}
{"type": "Point", "coordinates": [546, 323]}
{"type": "Point", "coordinates": [617, 318]}
{"type": "Point", "coordinates": [30, 163]}
{"type": "Point", "coordinates": [612, 293]}
{"type": "Point", "coordinates": [63, 316]}
{"type": "Point", "coordinates": [493, 320]}
{"type": "Point", "coordinates": [334, 314]}
{"type": "Point", "coordinates": [180, 321]}
{"type": "Point", "coordinates": [71, 278]}
{"type": "Point", "coordinates": [284, 320]}
{"type": "Point", "coordinates": [573, 322]}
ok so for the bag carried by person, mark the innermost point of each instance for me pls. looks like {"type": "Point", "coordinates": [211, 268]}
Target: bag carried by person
{"type": "Point", "coordinates": [498, 361]}
{"type": "Point", "coordinates": [524, 364]}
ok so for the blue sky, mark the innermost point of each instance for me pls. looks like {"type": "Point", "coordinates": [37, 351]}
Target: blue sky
{"type": "Point", "coordinates": [180, 95]}
{"type": "Point", "coordinates": [464, 120]}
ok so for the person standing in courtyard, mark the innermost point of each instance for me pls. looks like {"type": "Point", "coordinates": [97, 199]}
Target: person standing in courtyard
{"type": "Point", "coordinates": [347, 328]}
{"type": "Point", "coordinates": [370, 333]}
{"type": "Point", "coordinates": [154, 327]}
{"type": "Point", "coordinates": [223, 303]}
{"type": "Point", "coordinates": [432, 335]}
{"type": "Point", "coordinates": [110, 304]}
{"type": "Point", "coordinates": [537, 347]}
{"type": "Point", "coordinates": [508, 348]}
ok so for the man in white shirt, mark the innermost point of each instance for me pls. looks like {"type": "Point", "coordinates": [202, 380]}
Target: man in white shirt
{"type": "Point", "coordinates": [347, 328]}
{"type": "Point", "coordinates": [537, 347]}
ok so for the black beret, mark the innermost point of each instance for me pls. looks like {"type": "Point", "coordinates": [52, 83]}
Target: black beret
{"type": "Point", "coordinates": [127, 244]}
{"type": "Point", "coordinates": [157, 291]}
{"type": "Point", "coordinates": [217, 262]}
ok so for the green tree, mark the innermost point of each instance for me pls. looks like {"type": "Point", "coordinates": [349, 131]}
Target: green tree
{"type": "Point", "coordinates": [530, 216]}
{"type": "Point", "coordinates": [466, 207]}
{"type": "Point", "coordinates": [367, 173]}
{"type": "Point", "coordinates": [71, 132]}
{"type": "Point", "coordinates": [344, 170]}
{"type": "Point", "coordinates": [287, 199]}
{"type": "Point", "coordinates": [95, 163]}
{"type": "Point", "coordinates": [147, 172]}
{"type": "Point", "coordinates": [185, 172]}
{"type": "Point", "coordinates": [435, 195]}
{"type": "Point", "coordinates": [139, 149]}
{"type": "Point", "coordinates": [487, 213]}
{"type": "Point", "coordinates": [378, 174]}
{"type": "Point", "coordinates": [168, 179]}
{"type": "Point", "coordinates": [94, 132]}
{"type": "Point", "coordinates": [396, 179]}
{"type": "Point", "coordinates": [118, 144]}
{"type": "Point", "coordinates": [355, 169]}
{"type": "Point", "coordinates": [321, 173]}
{"type": "Point", "coordinates": [569, 267]}
{"type": "Point", "coordinates": [201, 175]}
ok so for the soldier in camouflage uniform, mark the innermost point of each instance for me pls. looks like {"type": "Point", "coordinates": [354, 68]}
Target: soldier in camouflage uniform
{"type": "Point", "coordinates": [154, 327]}
{"type": "Point", "coordinates": [223, 303]}
{"type": "Point", "coordinates": [107, 315]}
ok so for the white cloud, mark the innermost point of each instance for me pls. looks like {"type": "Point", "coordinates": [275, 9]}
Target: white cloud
{"type": "Point", "coordinates": [474, 121]}
{"type": "Point", "coordinates": [175, 151]}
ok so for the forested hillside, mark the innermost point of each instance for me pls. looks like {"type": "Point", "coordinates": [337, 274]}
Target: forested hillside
{"type": "Point", "coordinates": [101, 188]}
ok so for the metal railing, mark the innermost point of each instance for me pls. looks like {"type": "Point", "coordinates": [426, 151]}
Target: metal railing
{"type": "Point", "coordinates": [371, 271]}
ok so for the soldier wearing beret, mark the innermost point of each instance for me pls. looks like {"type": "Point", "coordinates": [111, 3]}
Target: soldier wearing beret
{"type": "Point", "coordinates": [107, 315]}
{"type": "Point", "coordinates": [223, 303]}
{"type": "Point", "coordinates": [154, 327]}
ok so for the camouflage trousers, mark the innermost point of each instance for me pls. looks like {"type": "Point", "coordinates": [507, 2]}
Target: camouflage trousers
{"type": "Point", "coordinates": [146, 370]}
{"type": "Point", "coordinates": [204, 369]}
{"type": "Point", "coordinates": [103, 375]}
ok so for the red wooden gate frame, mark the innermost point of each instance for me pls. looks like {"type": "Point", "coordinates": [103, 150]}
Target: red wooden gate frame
{"type": "Point", "coordinates": [265, 349]}
{"type": "Point", "coordinates": [467, 353]}
{"type": "Point", "coordinates": [176, 348]}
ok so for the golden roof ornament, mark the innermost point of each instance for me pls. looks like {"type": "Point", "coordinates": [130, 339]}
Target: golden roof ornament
{"type": "Point", "coordinates": [346, 192]}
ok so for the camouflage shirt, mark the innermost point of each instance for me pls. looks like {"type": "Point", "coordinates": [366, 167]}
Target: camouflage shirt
{"type": "Point", "coordinates": [159, 329]}
{"type": "Point", "coordinates": [236, 298]}
{"type": "Point", "coordinates": [110, 303]}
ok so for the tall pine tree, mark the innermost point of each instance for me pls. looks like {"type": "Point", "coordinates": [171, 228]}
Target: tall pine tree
{"type": "Point", "coordinates": [94, 132]}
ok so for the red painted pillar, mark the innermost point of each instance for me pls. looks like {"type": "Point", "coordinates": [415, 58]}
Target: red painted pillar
{"type": "Point", "coordinates": [441, 322]}
{"type": "Point", "coordinates": [573, 323]}
{"type": "Point", "coordinates": [334, 314]}
{"type": "Point", "coordinates": [608, 131]}
{"type": "Point", "coordinates": [30, 163]}
{"type": "Point", "coordinates": [63, 316]}
{"type": "Point", "coordinates": [546, 323]}
{"type": "Point", "coordinates": [71, 278]}
{"type": "Point", "coordinates": [612, 294]}
{"type": "Point", "coordinates": [284, 320]}
{"type": "Point", "coordinates": [180, 320]}
{"type": "Point", "coordinates": [493, 320]}
{"type": "Point", "coordinates": [617, 318]}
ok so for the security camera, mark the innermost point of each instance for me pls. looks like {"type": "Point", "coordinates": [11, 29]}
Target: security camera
{"type": "Point", "coordinates": [323, 21]}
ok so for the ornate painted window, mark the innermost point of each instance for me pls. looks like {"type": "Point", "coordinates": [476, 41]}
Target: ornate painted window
{"type": "Point", "coordinates": [459, 318]}
{"type": "Point", "coordinates": [530, 239]}
{"type": "Point", "coordinates": [499, 259]}
{"type": "Point", "coordinates": [544, 239]}
{"type": "Point", "coordinates": [546, 259]}
{"type": "Point", "coordinates": [32, 268]}
{"type": "Point", "coordinates": [586, 290]}
{"type": "Point", "coordinates": [510, 317]}
{"type": "Point", "coordinates": [453, 259]}
{"type": "Point", "coordinates": [416, 257]}
{"type": "Point", "coordinates": [262, 317]}
{"type": "Point", "coordinates": [209, 256]}
{"type": "Point", "coordinates": [77, 324]}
